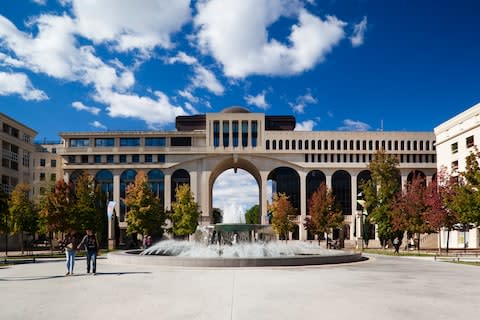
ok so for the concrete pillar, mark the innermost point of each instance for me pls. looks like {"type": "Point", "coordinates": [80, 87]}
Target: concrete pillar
{"type": "Point", "coordinates": [263, 196]}
{"type": "Point", "coordinates": [168, 191]}
{"type": "Point", "coordinates": [116, 198]}
{"type": "Point", "coordinates": [354, 202]}
{"type": "Point", "coordinates": [328, 181]}
{"type": "Point", "coordinates": [404, 181]}
{"type": "Point", "coordinates": [303, 205]}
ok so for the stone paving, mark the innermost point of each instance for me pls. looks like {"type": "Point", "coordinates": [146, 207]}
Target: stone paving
{"type": "Point", "coordinates": [381, 288]}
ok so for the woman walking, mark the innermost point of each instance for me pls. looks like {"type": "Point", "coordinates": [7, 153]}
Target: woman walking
{"type": "Point", "coordinates": [70, 244]}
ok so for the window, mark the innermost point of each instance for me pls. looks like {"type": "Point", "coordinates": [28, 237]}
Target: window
{"type": "Point", "coordinates": [129, 142]}
{"type": "Point", "coordinates": [109, 158]}
{"type": "Point", "coordinates": [148, 158]}
{"type": "Point", "coordinates": [469, 142]}
{"type": "Point", "coordinates": [135, 158]}
{"type": "Point", "coordinates": [79, 143]}
{"type": "Point", "coordinates": [71, 159]}
{"type": "Point", "coordinates": [161, 158]}
{"type": "Point", "coordinates": [42, 162]}
{"type": "Point", "coordinates": [216, 134]}
{"type": "Point", "coordinates": [98, 158]}
{"type": "Point", "coordinates": [42, 176]}
{"type": "Point", "coordinates": [254, 133]}
{"type": "Point", "coordinates": [181, 141]}
{"type": "Point", "coordinates": [455, 147]}
{"type": "Point", "coordinates": [54, 150]}
{"type": "Point", "coordinates": [123, 158]}
{"type": "Point", "coordinates": [235, 133]}
{"type": "Point", "coordinates": [155, 142]}
{"type": "Point", "coordinates": [274, 144]}
{"type": "Point", "coordinates": [454, 166]}
{"type": "Point", "coordinates": [84, 158]}
{"type": "Point", "coordinates": [104, 142]}
{"type": "Point", "coordinates": [267, 145]}
{"type": "Point", "coordinates": [53, 163]}
{"type": "Point", "coordinates": [287, 144]}
{"type": "Point", "coordinates": [244, 133]}
{"type": "Point", "coordinates": [226, 131]}
{"type": "Point", "coordinates": [53, 177]}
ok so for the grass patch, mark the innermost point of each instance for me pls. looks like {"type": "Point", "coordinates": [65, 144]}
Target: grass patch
{"type": "Point", "coordinates": [388, 252]}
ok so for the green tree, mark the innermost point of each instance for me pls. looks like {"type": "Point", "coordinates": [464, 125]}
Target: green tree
{"type": "Point", "coordinates": [185, 212]}
{"type": "Point", "coordinates": [283, 215]}
{"type": "Point", "coordinates": [4, 218]}
{"type": "Point", "coordinates": [145, 211]}
{"type": "Point", "coordinates": [217, 215]}
{"type": "Point", "coordinates": [380, 193]}
{"type": "Point", "coordinates": [324, 216]}
{"type": "Point", "coordinates": [87, 214]}
{"type": "Point", "coordinates": [252, 216]}
{"type": "Point", "coordinates": [23, 214]}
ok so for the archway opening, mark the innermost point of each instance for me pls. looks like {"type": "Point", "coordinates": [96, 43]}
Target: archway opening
{"type": "Point", "coordinates": [235, 192]}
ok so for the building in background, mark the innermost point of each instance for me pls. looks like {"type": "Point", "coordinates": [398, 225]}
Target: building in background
{"type": "Point", "coordinates": [47, 167]}
{"type": "Point", "coordinates": [456, 138]}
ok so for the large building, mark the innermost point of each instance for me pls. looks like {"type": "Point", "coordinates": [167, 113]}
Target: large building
{"type": "Point", "coordinates": [204, 146]}
{"type": "Point", "coordinates": [456, 139]}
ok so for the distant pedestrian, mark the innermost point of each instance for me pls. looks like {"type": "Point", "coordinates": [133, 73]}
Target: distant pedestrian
{"type": "Point", "coordinates": [70, 244]}
{"type": "Point", "coordinates": [396, 245]}
{"type": "Point", "coordinates": [90, 243]}
{"type": "Point", "coordinates": [148, 242]}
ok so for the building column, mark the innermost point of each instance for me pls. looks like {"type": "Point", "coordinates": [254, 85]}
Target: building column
{"type": "Point", "coordinates": [263, 196]}
{"type": "Point", "coordinates": [354, 205]}
{"type": "Point", "coordinates": [116, 197]}
{"type": "Point", "coordinates": [328, 181]}
{"type": "Point", "coordinates": [302, 233]}
{"type": "Point", "coordinates": [168, 191]}
{"type": "Point", "coordinates": [404, 181]}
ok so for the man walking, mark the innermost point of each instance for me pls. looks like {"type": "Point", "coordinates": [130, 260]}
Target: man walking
{"type": "Point", "coordinates": [90, 243]}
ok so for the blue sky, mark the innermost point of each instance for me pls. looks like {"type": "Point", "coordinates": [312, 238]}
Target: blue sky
{"type": "Point", "coordinates": [91, 65]}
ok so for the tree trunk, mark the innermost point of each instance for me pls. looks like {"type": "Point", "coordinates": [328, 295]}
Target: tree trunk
{"type": "Point", "coordinates": [21, 244]}
{"type": "Point", "coordinates": [6, 244]}
{"type": "Point", "coordinates": [418, 242]}
{"type": "Point", "coordinates": [440, 241]}
{"type": "Point", "coordinates": [448, 238]}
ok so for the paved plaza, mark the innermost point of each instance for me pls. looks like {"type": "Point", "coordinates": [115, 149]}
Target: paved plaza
{"type": "Point", "coordinates": [381, 288]}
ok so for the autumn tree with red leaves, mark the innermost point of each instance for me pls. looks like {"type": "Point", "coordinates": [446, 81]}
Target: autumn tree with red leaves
{"type": "Point", "coordinates": [283, 215]}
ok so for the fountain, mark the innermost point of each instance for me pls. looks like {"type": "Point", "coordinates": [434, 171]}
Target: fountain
{"type": "Point", "coordinates": [235, 244]}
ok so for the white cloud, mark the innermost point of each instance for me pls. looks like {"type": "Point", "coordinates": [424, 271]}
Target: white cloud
{"type": "Point", "coordinates": [359, 33]}
{"type": "Point", "coordinates": [40, 2]}
{"type": "Point", "coordinates": [98, 125]}
{"type": "Point", "coordinates": [77, 105]}
{"type": "Point", "coordinates": [302, 101]}
{"type": "Point", "coordinates": [202, 77]}
{"type": "Point", "coordinates": [191, 108]}
{"type": "Point", "coordinates": [156, 112]}
{"type": "Point", "coordinates": [352, 125]}
{"type": "Point", "coordinates": [235, 33]}
{"type": "Point", "coordinates": [225, 190]}
{"type": "Point", "coordinates": [18, 83]}
{"type": "Point", "coordinates": [188, 95]}
{"type": "Point", "coordinates": [140, 24]}
{"type": "Point", "coordinates": [306, 125]}
{"type": "Point", "coordinates": [258, 100]}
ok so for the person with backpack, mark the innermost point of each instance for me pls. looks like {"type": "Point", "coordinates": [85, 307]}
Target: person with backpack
{"type": "Point", "coordinates": [70, 245]}
{"type": "Point", "coordinates": [90, 243]}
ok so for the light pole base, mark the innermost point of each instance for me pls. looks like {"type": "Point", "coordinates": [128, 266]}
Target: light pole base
{"type": "Point", "coordinates": [360, 243]}
{"type": "Point", "coordinates": [111, 244]}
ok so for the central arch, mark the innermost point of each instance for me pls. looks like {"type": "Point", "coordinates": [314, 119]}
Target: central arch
{"type": "Point", "coordinates": [231, 163]}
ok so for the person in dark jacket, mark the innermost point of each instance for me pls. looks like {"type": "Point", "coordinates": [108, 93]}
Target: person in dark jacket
{"type": "Point", "coordinates": [70, 244]}
{"type": "Point", "coordinates": [90, 244]}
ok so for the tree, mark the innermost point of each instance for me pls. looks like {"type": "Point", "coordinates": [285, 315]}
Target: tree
{"type": "Point", "coordinates": [87, 210]}
{"type": "Point", "coordinates": [380, 193]}
{"type": "Point", "coordinates": [324, 216]}
{"type": "Point", "coordinates": [23, 214]}
{"type": "Point", "coordinates": [4, 218]}
{"type": "Point", "coordinates": [252, 216]}
{"type": "Point", "coordinates": [408, 212]}
{"type": "Point", "coordinates": [145, 211]}
{"type": "Point", "coordinates": [438, 196]}
{"type": "Point", "coordinates": [283, 214]}
{"type": "Point", "coordinates": [57, 209]}
{"type": "Point", "coordinates": [217, 215]}
{"type": "Point", "coordinates": [185, 212]}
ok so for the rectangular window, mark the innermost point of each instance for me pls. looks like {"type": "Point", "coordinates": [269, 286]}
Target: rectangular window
{"type": "Point", "coordinates": [53, 177]}
{"type": "Point", "coordinates": [235, 133]}
{"type": "Point", "coordinates": [181, 141]}
{"type": "Point", "coordinates": [98, 158]}
{"type": "Point", "coordinates": [244, 133]}
{"type": "Point", "coordinates": [155, 142]}
{"type": "Point", "coordinates": [135, 158]}
{"type": "Point", "coordinates": [226, 130]}
{"type": "Point", "coordinates": [470, 142]}
{"type": "Point", "coordinates": [104, 142]}
{"type": "Point", "coordinates": [42, 176]}
{"type": "Point", "coordinates": [129, 142]}
{"type": "Point", "coordinates": [123, 158]}
{"type": "Point", "coordinates": [109, 158]}
{"type": "Point", "coordinates": [161, 158]}
{"type": "Point", "coordinates": [54, 150]}
{"type": "Point", "coordinates": [216, 134]}
{"type": "Point", "coordinates": [53, 163]}
{"type": "Point", "coordinates": [79, 143]}
{"type": "Point", "coordinates": [148, 158]}
{"type": "Point", "coordinates": [455, 147]}
{"type": "Point", "coordinates": [71, 159]}
{"type": "Point", "coordinates": [454, 166]}
{"type": "Point", "coordinates": [42, 162]}
{"type": "Point", "coordinates": [84, 158]}
{"type": "Point", "coordinates": [254, 133]}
